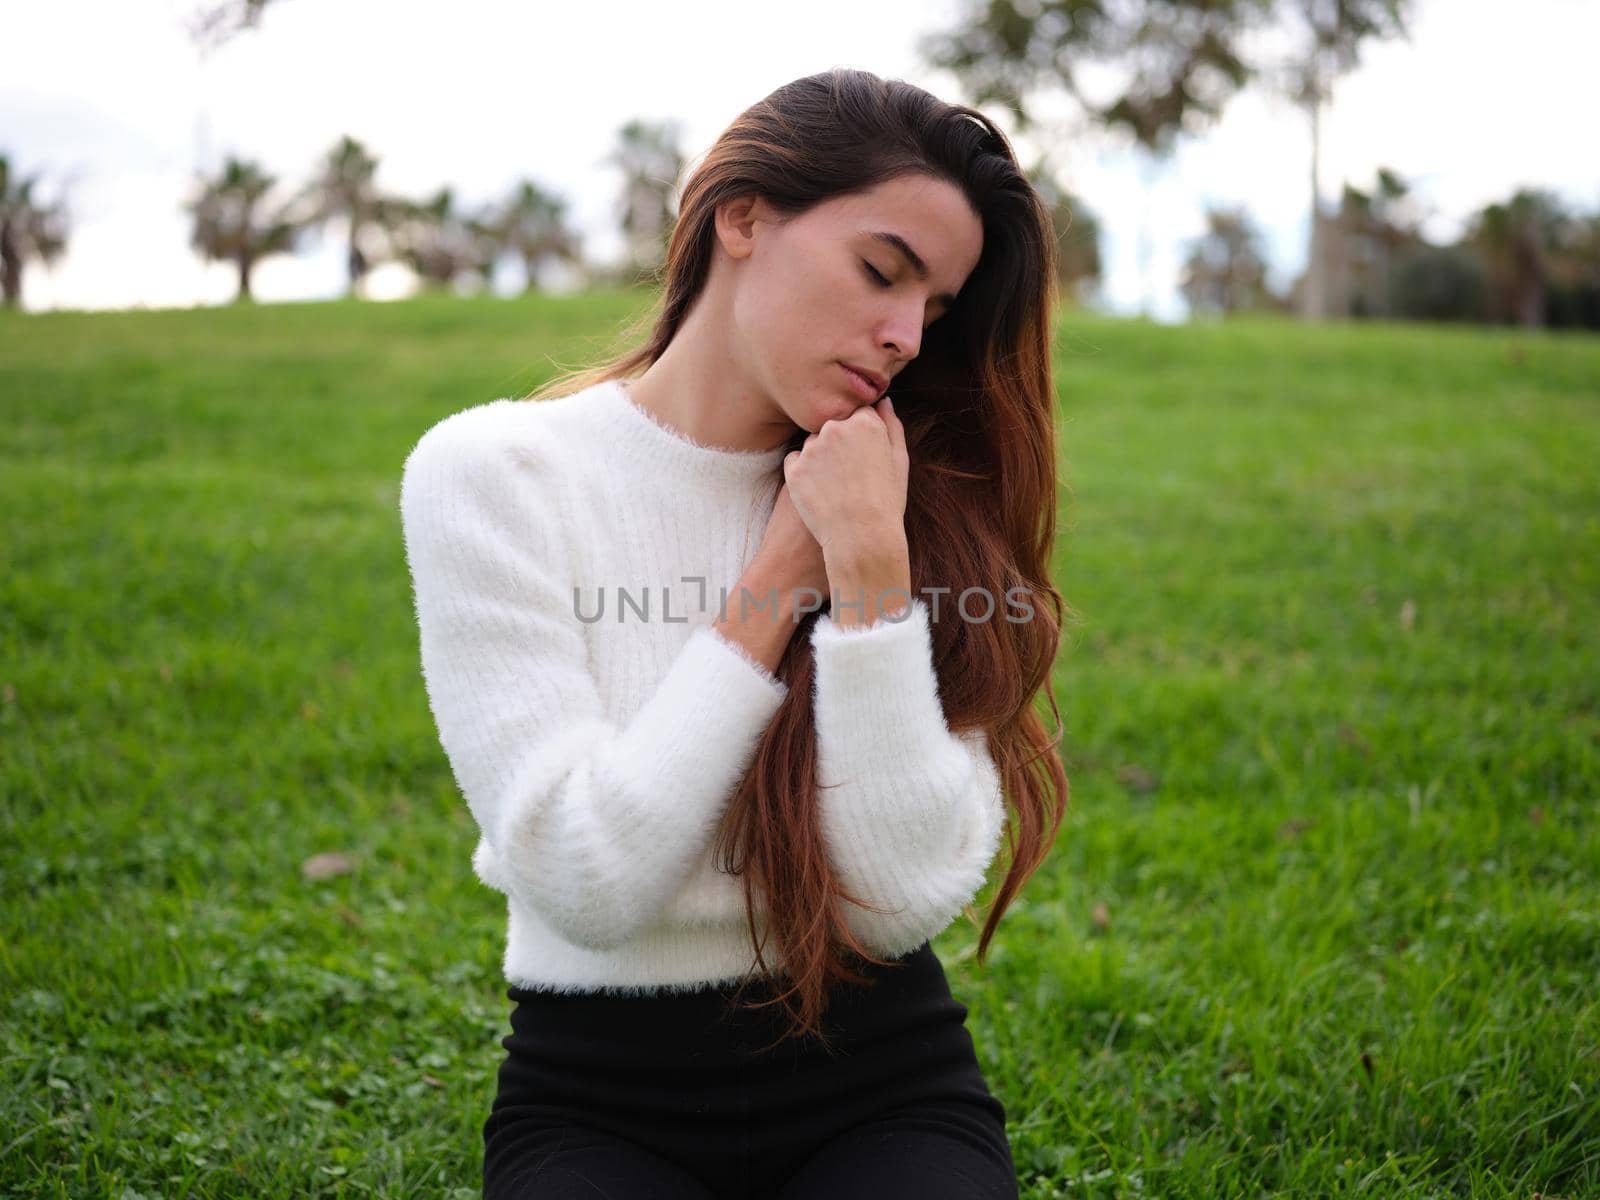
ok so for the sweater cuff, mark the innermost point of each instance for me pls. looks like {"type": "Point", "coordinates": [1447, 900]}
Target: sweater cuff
{"type": "Point", "coordinates": [703, 721]}
{"type": "Point", "coordinates": [877, 696]}
{"type": "Point", "coordinates": [777, 685]}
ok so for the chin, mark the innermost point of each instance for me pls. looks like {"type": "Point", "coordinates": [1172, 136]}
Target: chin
{"type": "Point", "coordinates": [827, 404]}
{"type": "Point", "coordinates": [837, 408]}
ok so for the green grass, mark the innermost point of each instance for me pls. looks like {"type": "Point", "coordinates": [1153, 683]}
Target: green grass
{"type": "Point", "coordinates": [1332, 720]}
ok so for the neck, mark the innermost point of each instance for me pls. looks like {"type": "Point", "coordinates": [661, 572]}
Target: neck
{"type": "Point", "coordinates": [698, 388]}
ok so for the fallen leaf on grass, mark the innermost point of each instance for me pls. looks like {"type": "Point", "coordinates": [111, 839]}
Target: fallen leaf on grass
{"type": "Point", "coordinates": [325, 866]}
{"type": "Point", "coordinates": [1136, 778]}
{"type": "Point", "coordinates": [1350, 735]}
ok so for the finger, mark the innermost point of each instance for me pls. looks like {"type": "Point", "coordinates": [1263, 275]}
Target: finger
{"type": "Point", "coordinates": [897, 431]}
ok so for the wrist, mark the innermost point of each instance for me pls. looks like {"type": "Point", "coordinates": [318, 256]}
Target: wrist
{"type": "Point", "coordinates": [867, 552]}
{"type": "Point", "coordinates": [866, 584]}
{"type": "Point", "coordinates": [766, 588]}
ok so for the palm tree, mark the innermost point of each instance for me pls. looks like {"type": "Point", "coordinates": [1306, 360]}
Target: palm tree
{"type": "Point", "coordinates": [1225, 271]}
{"type": "Point", "coordinates": [1574, 293]}
{"type": "Point", "coordinates": [1363, 241]}
{"type": "Point", "coordinates": [533, 226]}
{"type": "Point", "coordinates": [228, 223]}
{"type": "Point", "coordinates": [1335, 31]}
{"type": "Point", "coordinates": [28, 229]}
{"type": "Point", "coordinates": [441, 244]}
{"type": "Point", "coordinates": [1178, 63]}
{"type": "Point", "coordinates": [651, 163]}
{"type": "Point", "coordinates": [1517, 239]}
{"type": "Point", "coordinates": [213, 24]}
{"type": "Point", "coordinates": [343, 189]}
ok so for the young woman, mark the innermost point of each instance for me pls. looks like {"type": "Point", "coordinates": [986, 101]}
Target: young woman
{"type": "Point", "coordinates": [732, 655]}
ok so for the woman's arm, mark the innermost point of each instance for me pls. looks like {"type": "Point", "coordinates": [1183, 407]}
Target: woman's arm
{"type": "Point", "coordinates": [592, 824]}
{"type": "Point", "coordinates": [913, 813]}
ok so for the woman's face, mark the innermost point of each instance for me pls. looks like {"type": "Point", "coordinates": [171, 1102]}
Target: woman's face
{"type": "Point", "coordinates": [808, 296]}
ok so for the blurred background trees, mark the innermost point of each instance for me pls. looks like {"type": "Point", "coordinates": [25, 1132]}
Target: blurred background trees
{"type": "Point", "coordinates": [236, 222]}
{"type": "Point", "coordinates": [1331, 36]}
{"type": "Point", "coordinates": [343, 189]}
{"type": "Point", "coordinates": [533, 227]}
{"type": "Point", "coordinates": [445, 246]}
{"type": "Point", "coordinates": [1520, 243]}
{"type": "Point", "coordinates": [1180, 62]}
{"type": "Point", "coordinates": [1077, 233]}
{"type": "Point", "coordinates": [212, 24]}
{"type": "Point", "coordinates": [29, 229]}
{"type": "Point", "coordinates": [1360, 246]}
{"type": "Point", "coordinates": [1148, 71]}
{"type": "Point", "coordinates": [650, 159]}
{"type": "Point", "coordinates": [1225, 271]}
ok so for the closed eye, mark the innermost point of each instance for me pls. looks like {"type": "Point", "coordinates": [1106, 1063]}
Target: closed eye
{"type": "Point", "coordinates": [873, 271]}
{"type": "Point", "coordinates": [882, 282]}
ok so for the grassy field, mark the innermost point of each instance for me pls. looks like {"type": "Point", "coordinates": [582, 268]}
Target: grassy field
{"type": "Point", "coordinates": [1324, 918]}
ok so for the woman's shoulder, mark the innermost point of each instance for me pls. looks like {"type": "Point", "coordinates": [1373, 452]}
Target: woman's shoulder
{"type": "Point", "coordinates": [506, 437]}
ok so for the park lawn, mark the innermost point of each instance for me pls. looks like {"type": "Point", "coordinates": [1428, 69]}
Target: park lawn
{"type": "Point", "coordinates": [1323, 918]}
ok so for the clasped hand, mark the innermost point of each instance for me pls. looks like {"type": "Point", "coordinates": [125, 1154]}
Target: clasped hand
{"type": "Point", "coordinates": [848, 482]}
{"type": "Point", "coordinates": [840, 516]}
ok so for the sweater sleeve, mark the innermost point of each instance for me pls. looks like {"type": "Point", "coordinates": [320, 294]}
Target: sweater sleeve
{"type": "Point", "coordinates": [912, 813]}
{"type": "Point", "coordinates": [592, 824]}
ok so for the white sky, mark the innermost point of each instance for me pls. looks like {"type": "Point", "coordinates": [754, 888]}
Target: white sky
{"type": "Point", "coordinates": [111, 96]}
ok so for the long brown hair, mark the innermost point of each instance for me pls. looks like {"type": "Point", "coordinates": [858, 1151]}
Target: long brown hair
{"type": "Point", "coordinates": [978, 406]}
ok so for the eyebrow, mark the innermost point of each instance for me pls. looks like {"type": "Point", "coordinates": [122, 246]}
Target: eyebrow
{"type": "Point", "coordinates": [912, 257]}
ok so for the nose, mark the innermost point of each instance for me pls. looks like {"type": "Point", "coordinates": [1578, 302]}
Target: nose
{"type": "Point", "coordinates": [902, 332]}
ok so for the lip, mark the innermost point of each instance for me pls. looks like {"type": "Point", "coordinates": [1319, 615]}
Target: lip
{"type": "Point", "coordinates": [867, 384]}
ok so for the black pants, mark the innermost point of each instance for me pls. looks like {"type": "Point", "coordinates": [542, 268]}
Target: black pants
{"type": "Point", "coordinates": [675, 1095]}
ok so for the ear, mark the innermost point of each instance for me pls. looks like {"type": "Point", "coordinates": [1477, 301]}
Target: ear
{"type": "Point", "coordinates": [736, 222]}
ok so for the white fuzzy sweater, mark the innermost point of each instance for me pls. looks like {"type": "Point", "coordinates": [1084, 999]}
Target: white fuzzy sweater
{"type": "Point", "coordinates": [597, 756]}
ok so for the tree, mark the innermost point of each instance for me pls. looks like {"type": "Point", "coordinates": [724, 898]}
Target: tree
{"type": "Point", "coordinates": [1517, 240]}
{"type": "Point", "coordinates": [1573, 296]}
{"type": "Point", "coordinates": [1225, 271]}
{"type": "Point", "coordinates": [1332, 33]}
{"type": "Point", "coordinates": [1361, 244]}
{"type": "Point", "coordinates": [210, 26]}
{"type": "Point", "coordinates": [28, 229]}
{"type": "Point", "coordinates": [1178, 58]}
{"type": "Point", "coordinates": [1077, 233]}
{"type": "Point", "coordinates": [1178, 61]}
{"type": "Point", "coordinates": [533, 226]}
{"type": "Point", "coordinates": [1439, 283]}
{"type": "Point", "coordinates": [442, 245]}
{"type": "Point", "coordinates": [213, 24]}
{"type": "Point", "coordinates": [344, 188]}
{"type": "Point", "coordinates": [229, 224]}
{"type": "Point", "coordinates": [651, 162]}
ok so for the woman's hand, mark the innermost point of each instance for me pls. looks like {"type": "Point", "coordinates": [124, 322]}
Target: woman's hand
{"type": "Point", "coordinates": [848, 484]}
{"type": "Point", "coordinates": [790, 556]}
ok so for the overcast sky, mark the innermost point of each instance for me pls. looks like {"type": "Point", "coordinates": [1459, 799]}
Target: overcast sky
{"type": "Point", "coordinates": [111, 95]}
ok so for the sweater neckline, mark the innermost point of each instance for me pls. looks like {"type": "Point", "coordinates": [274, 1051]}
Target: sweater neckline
{"type": "Point", "coordinates": [663, 446]}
